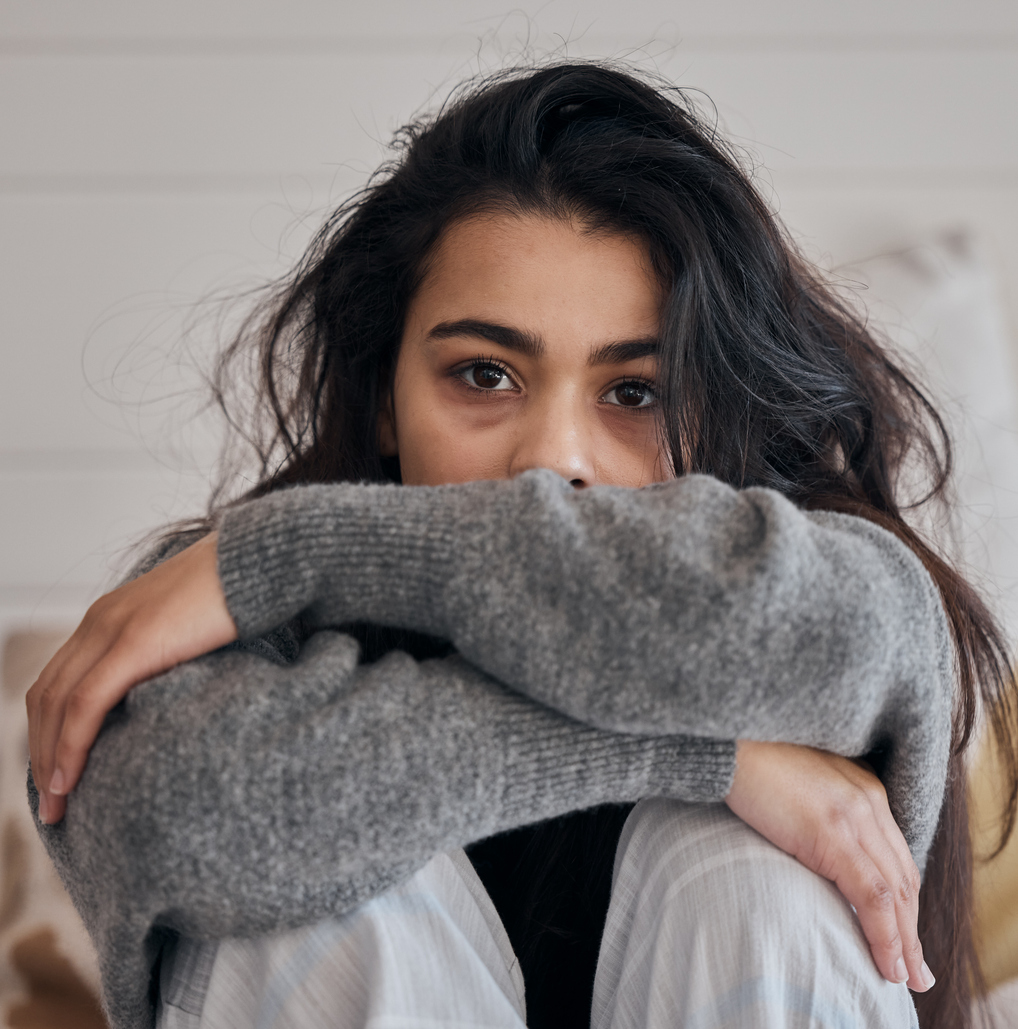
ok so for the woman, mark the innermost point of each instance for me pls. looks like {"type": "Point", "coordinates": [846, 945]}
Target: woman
{"type": "Point", "coordinates": [564, 271]}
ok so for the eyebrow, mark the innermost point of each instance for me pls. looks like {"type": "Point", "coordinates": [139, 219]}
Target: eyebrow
{"type": "Point", "coordinates": [531, 345]}
{"type": "Point", "coordinates": [523, 342]}
{"type": "Point", "coordinates": [625, 350]}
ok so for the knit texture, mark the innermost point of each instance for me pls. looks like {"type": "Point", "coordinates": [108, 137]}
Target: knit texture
{"type": "Point", "coordinates": [613, 644]}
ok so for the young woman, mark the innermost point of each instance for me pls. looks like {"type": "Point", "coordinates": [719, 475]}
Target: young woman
{"type": "Point", "coordinates": [647, 544]}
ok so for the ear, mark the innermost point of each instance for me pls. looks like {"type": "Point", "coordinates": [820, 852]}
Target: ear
{"type": "Point", "coordinates": [387, 445]}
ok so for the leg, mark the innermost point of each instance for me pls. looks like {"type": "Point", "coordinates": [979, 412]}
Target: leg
{"type": "Point", "coordinates": [431, 953]}
{"type": "Point", "coordinates": [711, 926]}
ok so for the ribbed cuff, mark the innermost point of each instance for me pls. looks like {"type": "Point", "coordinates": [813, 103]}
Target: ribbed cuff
{"type": "Point", "coordinates": [560, 776]}
{"type": "Point", "coordinates": [340, 552]}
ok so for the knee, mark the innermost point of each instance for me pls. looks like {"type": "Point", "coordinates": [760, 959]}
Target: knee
{"type": "Point", "coordinates": [713, 925]}
{"type": "Point", "coordinates": [708, 876]}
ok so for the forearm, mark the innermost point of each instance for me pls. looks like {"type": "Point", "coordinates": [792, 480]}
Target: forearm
{"type": "Point", "coordinates": [687, 607]}
{"type": "Point", "coordinates": [234, 796]}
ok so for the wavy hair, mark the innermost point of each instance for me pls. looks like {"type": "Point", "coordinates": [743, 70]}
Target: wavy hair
{"type": "Point", "coordinates": [767, 377]}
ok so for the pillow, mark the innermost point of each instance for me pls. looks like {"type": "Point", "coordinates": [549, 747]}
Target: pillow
{"type": "Point", "coordinates": [937, 302]}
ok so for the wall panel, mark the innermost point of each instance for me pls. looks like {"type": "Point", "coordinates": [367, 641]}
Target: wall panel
{"type": "Point", "coordinates": [67, 532]}
{"type": "Point", "coordinates": [95, 292]}
{"type": "Point", "coordinates": [265, 115]}
{"type": "Point", "coordinates": [838, 224]}
{"type": "Point", "coordinates": [310, 20]}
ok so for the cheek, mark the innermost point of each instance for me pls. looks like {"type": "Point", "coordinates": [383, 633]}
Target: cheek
{"type": "Point", "coordinates": [441, 444]}
{"type": "Point", "coordinates": [630, 452]}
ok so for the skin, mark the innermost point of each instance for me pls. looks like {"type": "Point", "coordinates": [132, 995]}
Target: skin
{"type": "Point", "coordinates": [529, 350]}
{"type": "Point", "coordinates": [530, 343]}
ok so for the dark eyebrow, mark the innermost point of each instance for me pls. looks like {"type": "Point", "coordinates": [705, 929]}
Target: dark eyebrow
{"type": "Point", "coordinates": [523, 342]}
{"type": "Point", "coordinates": [625, 350]}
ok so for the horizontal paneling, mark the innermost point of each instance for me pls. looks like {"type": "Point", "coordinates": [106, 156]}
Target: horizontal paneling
{"type": "Point", "coordinates": [66, 534]}
{"type": "Point", "coordinates": [67, 511]}
{"type": "Point", "coordinates": [863, 110]}
{"type": "Point", "coordinates": [246, 116]}
{"type": "Point", "coordinates": [434, 18]}
{"type": "Point", "coordinates": [95, 293]}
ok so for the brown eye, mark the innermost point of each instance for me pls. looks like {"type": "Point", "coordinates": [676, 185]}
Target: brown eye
{"type": "Point", "coordinates": [487, 376]}
{"type": "Point", "coordinates": [631, 394]}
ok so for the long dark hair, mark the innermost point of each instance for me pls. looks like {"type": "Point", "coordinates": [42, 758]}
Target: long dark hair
{"type": "Point", "coordinates": [768, 378]}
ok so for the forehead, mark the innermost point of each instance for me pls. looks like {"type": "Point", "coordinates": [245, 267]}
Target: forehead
{"type": "Point", "coordinates": [546, 274]}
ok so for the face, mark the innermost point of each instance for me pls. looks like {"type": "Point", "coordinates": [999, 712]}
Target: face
{"type": "Point", "coordinates": [531, 343]}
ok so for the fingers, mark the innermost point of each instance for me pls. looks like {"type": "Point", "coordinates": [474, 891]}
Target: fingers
{"type": "Point", "coordinates": [69, 710]}
{"type": "Point", "coordinates": [866, 889]}
{"type": "Point", "coordinates": [876, 874]}
{"type": "Point", "coordinates": [901, 872]}
{"type": "Point", "coordinates": [86, 707]}
{"type": "Point", "coordinates": [46, 704]}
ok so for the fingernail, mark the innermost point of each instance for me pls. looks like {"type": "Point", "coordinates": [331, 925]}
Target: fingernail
{"type": "Point", "coordinates": [900, 971]}
{"type": "Point", "coordinates": [56, 784]}
{"type": "Point", "coordinates": [43, 808]}
{"type": "Point", "coordinates": [927, 977]}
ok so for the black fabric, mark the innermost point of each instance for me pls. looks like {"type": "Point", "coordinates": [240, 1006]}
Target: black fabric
{"type": "Point", "coordinates": [376, 641]}
{"type": "Point", "coordinates": [551, 884]}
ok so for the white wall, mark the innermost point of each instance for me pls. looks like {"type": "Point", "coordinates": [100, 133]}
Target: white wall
{"type": "Point", "coordinates": [152, 152]}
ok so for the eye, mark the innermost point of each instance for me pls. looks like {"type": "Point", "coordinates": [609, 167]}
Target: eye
{"type": "Point", "coordinates": [631, 393]}
{"type": "Point", "coordinates": [487, 376]}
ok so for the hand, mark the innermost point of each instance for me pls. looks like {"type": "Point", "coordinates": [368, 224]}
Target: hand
{"type": "Point", "coordinates": [832, 815]}
{"type": "Point", "coordinates": [173, 613]}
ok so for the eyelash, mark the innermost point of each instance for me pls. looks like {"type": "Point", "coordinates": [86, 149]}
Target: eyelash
{"type": "Point", "coordinates": [631, 381]}
{"type": "Point", "coordinates": [459, 372]}
{"type": "Point", "coordinates": [493, 362]}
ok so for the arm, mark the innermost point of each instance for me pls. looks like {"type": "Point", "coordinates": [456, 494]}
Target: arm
{"type": "Point", "coordinates": [723, 612]}
{"type": "Point", "coordinates": [352, 776]}
{"type": "Point", "coordinates": [686, 607]}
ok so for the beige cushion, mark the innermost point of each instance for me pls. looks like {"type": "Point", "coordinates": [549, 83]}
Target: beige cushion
{"type": "Point", "coordinates": [996, 880]}
{"type": "Point", "coordinates": [48, 973]}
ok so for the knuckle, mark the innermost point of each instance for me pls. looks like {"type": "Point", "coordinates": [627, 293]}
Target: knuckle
{"type": "Point", "coordinates": [134, 632]}
{"type": "Point", "coordinates": [93, 614]}
{"type": "Point", "coordinates": [103, 616]}
{"type": "Point", "coordinates": [49, 701]}
{"type": "Point", "coordinates": [79, 704]}
{"type": "Point", "coordinates": [849, 813]}
{"type": "Point", "coordinates": [905, 892]}
{"type": "Point", "coordinates": [875, 791]}
{"type": "Point", "coordinates": [910, 884]}
{"type": "Point", "coordinates": [76, 704]}
{"type": "Point", "coordinates": [861, 807]}
{"type": "Point", "coordinates": [879, 896]}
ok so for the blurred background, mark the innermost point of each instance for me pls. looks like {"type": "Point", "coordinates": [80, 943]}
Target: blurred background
{"type": "Point", "coordinates": [156, 157]}
{"type": "Point", "coordinates": [154, 154]}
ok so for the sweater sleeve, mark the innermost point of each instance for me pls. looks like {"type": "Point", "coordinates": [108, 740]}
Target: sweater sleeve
{"type": "Point", "coordinates": [240, 794]}
{"type": "Point", "coordinates": [687, 607]}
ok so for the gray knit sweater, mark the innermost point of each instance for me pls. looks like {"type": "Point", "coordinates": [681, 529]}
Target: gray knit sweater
{"type": "Point", "coordinates": [612, 644]}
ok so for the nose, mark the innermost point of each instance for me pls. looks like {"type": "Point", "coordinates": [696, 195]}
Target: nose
{"type": "Point", "coordinates": [557, 436]}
